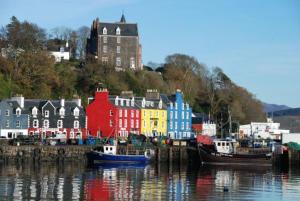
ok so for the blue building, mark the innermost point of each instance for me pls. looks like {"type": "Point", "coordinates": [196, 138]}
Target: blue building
{"type": "Point", "coordinates": [179, 116]}
{"type": "Point", "coordinates": [13, 118]}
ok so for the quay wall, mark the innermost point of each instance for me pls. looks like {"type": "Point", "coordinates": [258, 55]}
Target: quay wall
{"type": "Point", "coordinates": [42, 153]}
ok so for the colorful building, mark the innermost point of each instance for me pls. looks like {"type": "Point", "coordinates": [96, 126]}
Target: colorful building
{"type": "Point", "coordinates": [110, 116]}
{"type": "Point", "coordinates": [153, 117]}
{"type": "Point", "coordinates": [179, 116]}
{"type": "Point", "coordinates": [44, 118]}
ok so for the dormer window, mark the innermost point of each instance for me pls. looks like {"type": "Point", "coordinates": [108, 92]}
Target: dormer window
{"type": "Point", "coordinates": [47, 113]}
{"type": "Point", "coordinates": [76, 112]}
{"type": "Point", "coordinates": [62, 112]}
{"type": "Point", "coordinates": [118, 31]}
{"type": "Point", "coordinates": [104, 31]}
{"type": "Point", "coordinates": [18, 111]}
{"type": "Point", "coordinates": [34, 111]}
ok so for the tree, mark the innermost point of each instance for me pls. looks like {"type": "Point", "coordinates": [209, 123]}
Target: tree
{"type": "Point", "coordinates": [82, 33]}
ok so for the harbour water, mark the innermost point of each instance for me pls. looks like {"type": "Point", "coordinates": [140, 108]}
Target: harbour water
{"type": "Point", "coordinates": [75, 181]}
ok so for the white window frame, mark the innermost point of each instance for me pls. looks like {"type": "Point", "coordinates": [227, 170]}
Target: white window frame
{"type": "Point", "coordinates": [47, 113]}
{"type": "Point", "coordinates": [34, 111]}
{"type": "Point", "coordinates": [125, 123]}
{"type": "Point", "coordinates": [118, 61]}
{"type": "Point", "coordinates": [35, 123]}
{"type": "Point", "coordinates": [18, 123]}
{"type": "Point", "coordinates": [104, 49]}
{"type": "Point", "coordinates": [76, 124]}
{"type": "Point", "coordinates": [46, 123]}
{"type": "Point", "coordinates": [171, 124]}
{"type": "Point", "coordinates": [176, 114]}
{"type": "Point", "coordinates": [118, 49]}
{"type": "Point", "coordinates": [137, 113]}
{"type": "Point", "coordinates": [132, 123]}
{"type": "Point", "coordinates": [6, 112]}
{"type": "Point", "coordinates": [120, 123]}
{"type": "Point", "coordinates": [59, 124]}
{"type": "Point", "coordinates": [118, 31]}
{"type": "Point", "coordinates": [104, 39]}
{"type": "Point", "coordinates": [76, 112]}
{"type": "Point", "coordinates": [137, 123]}
{"type": "Point", "coordinates": [18, 112]}
{"type": "Point", "coordinates": [182, 114]}
{"type": "Point", "coordinates": [104, 31]}
{"type": "Point", "coordinates": [125, 113]}
{"type": "Point", "coordinates": [110, 123]}
{"type": "Point", "coordinates": [120, 112]}
{"type": "Point", "coordinates": [182, 125]}
{"type": "Point", "coordinates": [118, 39]}
{"type": "Point", "coordinates": [187, 115]}
{"type": "Point", "coordinates": [62, 112]}
{"type": "Point", "coordinates": [132, 62]}
{"type": "Point", "coordinates": [132, 113]}
{"type": "Point", "coordinates": [7, 123]}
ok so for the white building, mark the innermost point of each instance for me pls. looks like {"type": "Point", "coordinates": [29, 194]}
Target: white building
{"type": "Point", "coordinates": [291, 137]}
{"type": "Point", "coordinates": [62, 54]}
{"type": "Point", "coordinates": [262, 130]}
{"type": "Point", "coordinates": [209, 129]}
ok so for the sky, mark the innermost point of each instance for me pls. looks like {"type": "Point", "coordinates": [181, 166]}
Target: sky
{"type": "Point", "coordinates": [255, 42]}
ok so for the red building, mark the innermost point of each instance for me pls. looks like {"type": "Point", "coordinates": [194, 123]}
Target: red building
{"type": "Point", "coordinates": [110, 116]}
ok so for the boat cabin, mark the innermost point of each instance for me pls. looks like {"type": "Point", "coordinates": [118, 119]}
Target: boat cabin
{"type": "Point", "coordinates": [224, 146]}
{"type": "Point", "coordinates": [110, 149]}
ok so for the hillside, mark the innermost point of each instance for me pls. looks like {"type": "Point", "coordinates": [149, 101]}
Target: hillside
{"type": "Point", "coordinates": [268, 108]}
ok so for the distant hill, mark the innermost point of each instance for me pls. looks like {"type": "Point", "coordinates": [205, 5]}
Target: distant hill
{"type": "Point", "coordinates": [268, 108]}
{"type": "Point", "coordinates": [287, 112]}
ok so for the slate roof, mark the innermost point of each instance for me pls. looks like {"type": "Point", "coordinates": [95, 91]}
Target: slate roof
{"type": "Point", "coordinates": [126, 28]}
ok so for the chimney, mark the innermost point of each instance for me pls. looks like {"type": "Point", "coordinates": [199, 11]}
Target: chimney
{"type": "Point", "coordinates": [62, 102]}
{"type": "Point", "coordinates": [152, 94]}
{"type": "Point", "coordinates": [20, 99]}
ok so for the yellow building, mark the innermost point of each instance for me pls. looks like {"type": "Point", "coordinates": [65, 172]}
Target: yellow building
{"type": "Point", "coordinates": [153, 117]}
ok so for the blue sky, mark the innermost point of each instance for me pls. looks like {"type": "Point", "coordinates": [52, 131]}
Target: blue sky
{"type": "Point", "coordinates": [255, 42]}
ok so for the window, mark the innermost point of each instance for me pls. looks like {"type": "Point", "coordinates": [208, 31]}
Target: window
{"type": "Point", "coordinates": [171, 105]}
{"type": "Point", "coordinates": [163, 114]}
{"type": "Point", "coordinates": [175, 114]}
{"type": "Point", "coordinates": [132, 113]}
{"type": "Point", "coordinates": [18, 123]}
{"type": "Point", "coordinates": [118, 39]}
{"type": "Point", "coordinates": [187, 125]}
{"type": "Point", "coordinates": [162, 124]}
{"type": "Point", "coordinates": [104, 30]}
{"type": "Point", "coordinates": [187, 115]}
{"type": "Point", "coordinates": [104, 60]}
{"type": "Point", "coordinates": [7, 113]}
{"type": "Point", "coordinates": [182, 114]}
{"type": "Point", "coordinates": [111, 113]}
{"type": "Point", "coordinates": [182, 106]}
{"type": "Point", "coordinates": [110, 123]}
{"type": "Point", "coordinates": [120, 113]}
{"type": "Point", "coordinates": [46, 124]}
{"type": "Point", "coordinates": [125, 123]}
{"type": "Point", "coordinates": [144, 123]}
{"type": "Point", "coordinates": [132, 62]}
{"type": "Point", "coordinates": [76, 112]}
{"type": "Point", "coordinates": [171, 114]}
{"type": "Point", "coordinates": [18, 112]}
{"type": "Point", "coordinates": [171, 124]}
{"type": "Point", "coordinates": [118, 31]}
{"type": "Point", "coordinates": [35, 123]}
{"type": "Point", "coordinates": [137, 123]}
{"type": "Point", "coordinates": [182, 125]}
{"type": "Point", "coordinates": [120, 123]}
{"type": "Point", "coordinates": [175, 125]}
{"type": "Point", "coordinates": [104, 39]}
{"type": "Point", "coordinates": [47, 113]}
{"type": "Point", "coordinates": [156, 113]}
{"type": "Point", "coordinates": [132, 123]}
{"type": "Point", "coordinates": [127, 102]}
{"type": "Point", "coordinates": [34, 111]}
{"type": "Point", "coordinates": [136, 113]}
{"type": "Point", "coordinates": [118, 61]}
{"type": "Point", "coordinates": [118, 49]}
{"type": "Point", "coordinates": [125, 113]}
{"type": "Point", "coordinates": [62, 111]}
{"type": "Point", "coordinates": [7, 123]}
{"type": "Point", "coordinates": [176, 106]}
{"type": "Point", "coordinates": [76, 124]}
{"type": "Point", "coordinates": [104, 49]}
{"type": "Point", "coordinates": [59, 124]}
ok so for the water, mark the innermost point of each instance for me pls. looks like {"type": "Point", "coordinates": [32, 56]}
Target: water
{"type": "Point", "coordinates": [74, 181]}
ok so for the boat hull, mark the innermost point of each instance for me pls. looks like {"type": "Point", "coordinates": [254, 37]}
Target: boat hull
{"type": "Point", "coordinates": [102, 158]}
{"type": "Point", "coordinates": [208, 157]}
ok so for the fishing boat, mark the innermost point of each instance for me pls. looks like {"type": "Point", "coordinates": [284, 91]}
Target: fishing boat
{"type": "Point", "coordinates": [107, 154]}
{"type": "Point", "coordinates": [224, 152]}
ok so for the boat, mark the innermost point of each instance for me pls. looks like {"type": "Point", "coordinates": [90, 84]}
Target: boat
{"type": "Point", "coordinates": [223, 152]}
{"type": "Point", "coordinates": [107, 154]}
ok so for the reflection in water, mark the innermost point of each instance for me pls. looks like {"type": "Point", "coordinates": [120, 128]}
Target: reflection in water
{"type": "Point", "coordinates": [73, 181]}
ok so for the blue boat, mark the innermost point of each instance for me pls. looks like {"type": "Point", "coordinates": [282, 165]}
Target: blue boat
{"type": "Point", "coordinates": [108, 155]}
